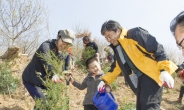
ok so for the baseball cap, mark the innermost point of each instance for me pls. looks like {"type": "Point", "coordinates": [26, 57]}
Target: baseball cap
{"type": "Point", "coordinates": [175, 21]}
{"type": "Point", "coordinates": [67, 35]}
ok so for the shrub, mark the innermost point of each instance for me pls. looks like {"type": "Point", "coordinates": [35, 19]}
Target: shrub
{"type": "Point", "coordinates": [56, 94]}
{"type": "Point", "coordinates": [106, 67]}
{"type": "Point", "coordinates": [81, 65]}
{"type": "Point", "coordinates": [56, 97]}
{"type": "Point", "coordinates": [114, 85]}
{"type": "Point", "coordinates": [8, 83]}
{"type": "Point", "coordinates": [87, 53]}
{"type": "Point", "coordinates": [174, 75]}
{"type": "Point", "coordinates": [128, 106]}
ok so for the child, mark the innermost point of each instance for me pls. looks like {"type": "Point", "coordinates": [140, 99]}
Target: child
{"type": "Point", "coordinates": [90, 82]}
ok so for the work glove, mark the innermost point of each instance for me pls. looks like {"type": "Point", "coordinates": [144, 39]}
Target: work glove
{"type": "Point", "coordinates": [56, 79]}
{"type": "Point", "coordinates": [101, 87]}
{"type": "Point", "coordinates": [167, 79]}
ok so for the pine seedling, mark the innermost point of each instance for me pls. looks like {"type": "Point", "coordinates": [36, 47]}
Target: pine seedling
{"type": "Point", "coordinates": [56, 93]}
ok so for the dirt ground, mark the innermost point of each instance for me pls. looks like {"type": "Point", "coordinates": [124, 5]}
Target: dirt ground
{"type": "Point", "coordinates": [21, 100]}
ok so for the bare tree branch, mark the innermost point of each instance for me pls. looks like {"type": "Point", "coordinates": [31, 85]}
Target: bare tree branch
{"type": "Point", "coordinates": [20, 20]}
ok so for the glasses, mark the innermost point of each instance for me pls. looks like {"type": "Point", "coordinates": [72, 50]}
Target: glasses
{"type": "Point", "coordinates": [180, 46]}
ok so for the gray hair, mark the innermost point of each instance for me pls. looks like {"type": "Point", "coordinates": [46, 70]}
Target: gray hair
{"type": "Point", "coordinates": [110, 26]}
{"type": "Point", "coordinates": [181, 23]}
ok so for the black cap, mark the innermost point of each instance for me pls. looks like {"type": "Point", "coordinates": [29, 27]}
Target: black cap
{"type": "Point", "coordinates": [175, 21]}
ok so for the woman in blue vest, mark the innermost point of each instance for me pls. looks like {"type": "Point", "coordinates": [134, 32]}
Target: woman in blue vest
{"type": "Point", "coordinates": [31, 81]}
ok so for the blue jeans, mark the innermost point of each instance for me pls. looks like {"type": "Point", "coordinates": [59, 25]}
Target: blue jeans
{"type": "Point", "coordinates": [35, 91]}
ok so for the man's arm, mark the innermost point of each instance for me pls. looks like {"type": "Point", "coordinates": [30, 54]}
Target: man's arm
{"type": "Point", "coordinates": [109, 77]}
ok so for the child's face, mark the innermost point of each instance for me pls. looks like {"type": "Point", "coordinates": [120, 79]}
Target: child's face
{"type": "Point", "coordinates": [94, 67]}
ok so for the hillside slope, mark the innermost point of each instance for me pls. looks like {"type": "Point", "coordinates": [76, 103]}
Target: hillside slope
{"type": "Point", "coordinates": [21, 100]}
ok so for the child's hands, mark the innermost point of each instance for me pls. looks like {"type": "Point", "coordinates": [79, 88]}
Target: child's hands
{"type": "Point", "coordinates": [108, 88]}
{"type": "Point", "coordinates": [69, 78]}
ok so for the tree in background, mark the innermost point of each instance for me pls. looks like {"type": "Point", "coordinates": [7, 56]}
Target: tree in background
{"type": "Point", "coordinates": [174, 55]}
{"type": "Point", "coordinates": [8, 83]}
{"type": "Point", "coordinates": [78, 48]}
{"type": "Point", "coordinates": [21, 22]}
{"type": "Point", "coordinates": [101, 45]}
{"type": "Point", "coordinates": [80, 32]}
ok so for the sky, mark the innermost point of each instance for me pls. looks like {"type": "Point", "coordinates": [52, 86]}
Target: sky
{"type": "Point", "coordinates": [153, 15]}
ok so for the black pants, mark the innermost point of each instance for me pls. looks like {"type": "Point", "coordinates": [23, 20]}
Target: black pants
{"type": "Point", "coordinates": [90, 107]}
{"type": "Point", "coordinates": [181, 92]}
{"type": "Point", "coordinates": [149, 94]}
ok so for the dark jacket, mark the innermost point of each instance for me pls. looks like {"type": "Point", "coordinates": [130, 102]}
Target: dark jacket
{"type": "Point", "coordinates": [93, 45]}
{"type": "Point", "coordinates": [91, 84]}
{"type": "Point", "coordinates": [38, 65]}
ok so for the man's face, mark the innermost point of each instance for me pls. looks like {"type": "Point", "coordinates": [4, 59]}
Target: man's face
{"type": "Point", "coordinates": [179, 36]}
{"type": "Point", "coordinates": [112, 37]}
{"type": "Point", "coordinates": [85, 42]}
{"type": "Point", "coordinates": [61, 45]}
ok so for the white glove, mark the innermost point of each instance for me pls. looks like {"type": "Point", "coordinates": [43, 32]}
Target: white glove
{"type": "Point", "coordinates": [165, 77]}
{"type": "Point", "coordinates": [55, 78]}
{"type": "Point", "coordinates": [101, 86]}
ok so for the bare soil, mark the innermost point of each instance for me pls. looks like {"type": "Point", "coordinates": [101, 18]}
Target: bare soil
{"type": "Point", "coordinates": [21, 100]}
